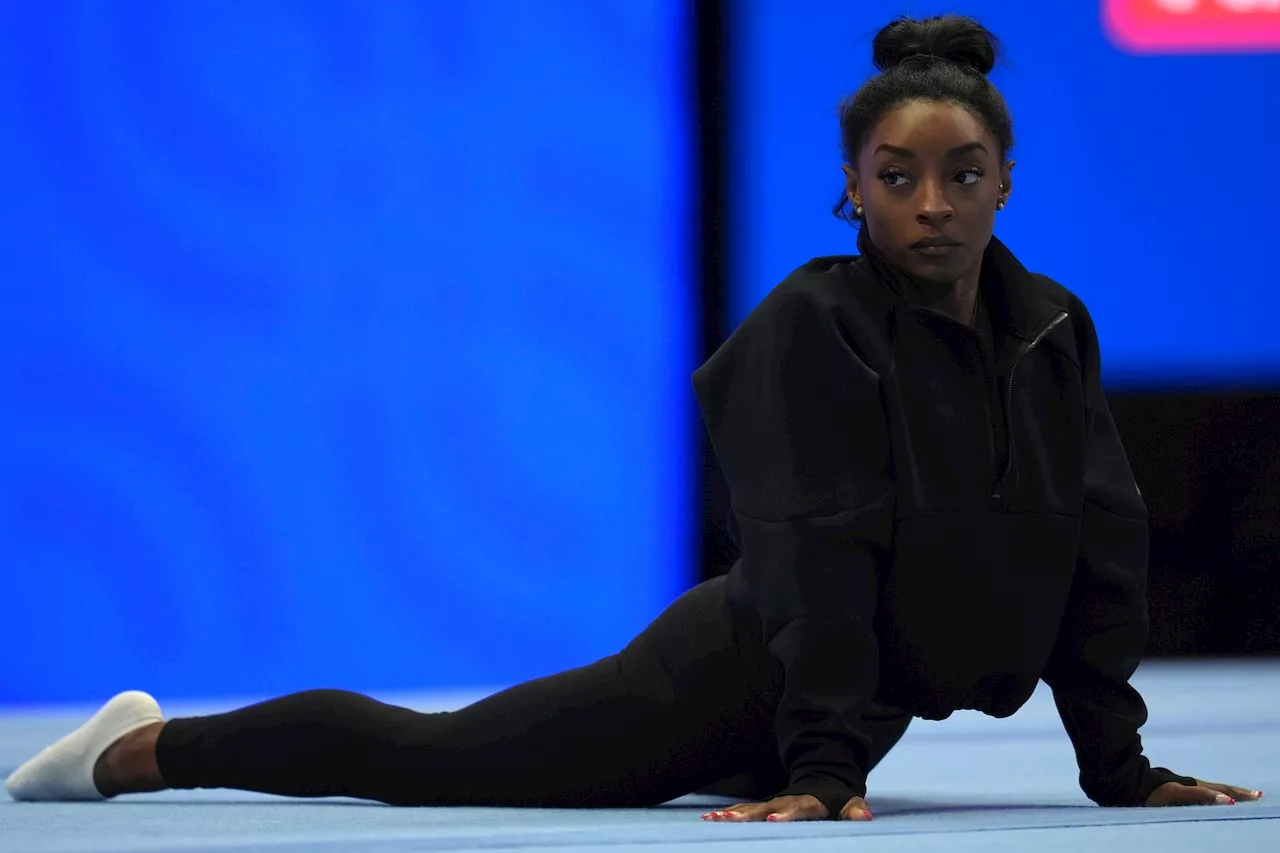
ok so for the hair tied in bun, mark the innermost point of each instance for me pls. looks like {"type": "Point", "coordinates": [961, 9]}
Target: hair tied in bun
{"type": "Point", "coordinates": [927, 59]}
{"type": "Point", "coordinates": [922, 59]}
{"type": "Point", "coordinates": [957, 39]}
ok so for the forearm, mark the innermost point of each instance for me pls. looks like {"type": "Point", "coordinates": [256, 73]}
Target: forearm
{"type": "Point", "coordinates": [1100, 645]}
{"type": "Point", "coordinates": [813, 582]}
{"type": "Point", "coordinates": [819, 720]}
{"type": "Point", "coordinates": [1113, 769]}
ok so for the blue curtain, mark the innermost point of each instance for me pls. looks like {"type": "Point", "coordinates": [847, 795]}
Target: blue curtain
{"type": "Point", "coordinates": [346, 343]}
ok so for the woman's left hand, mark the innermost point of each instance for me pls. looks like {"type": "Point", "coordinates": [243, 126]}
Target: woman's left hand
{"type": "Point", "coordinates": [1200, 794]}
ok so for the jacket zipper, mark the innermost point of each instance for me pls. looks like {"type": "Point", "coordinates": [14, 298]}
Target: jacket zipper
{"type": "Point", "coordinates": [1008, 403]}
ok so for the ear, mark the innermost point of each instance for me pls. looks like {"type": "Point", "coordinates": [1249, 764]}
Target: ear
{"type": "Point", "coordinates": [1006, 181]}
{"type": "Point", "coordinates": [851, 191]}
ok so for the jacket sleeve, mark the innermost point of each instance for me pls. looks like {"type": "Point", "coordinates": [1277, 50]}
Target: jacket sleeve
{"type": "Point", "coordinates": [796, 422]}
{"type": "Point", "coordinates": [1104, 630]}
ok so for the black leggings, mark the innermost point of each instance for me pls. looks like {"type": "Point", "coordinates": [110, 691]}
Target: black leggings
{"type": "Point", "coordinates": [688, 706]}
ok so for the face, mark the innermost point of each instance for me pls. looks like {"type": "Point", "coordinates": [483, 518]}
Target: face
{"type": "Point", "coordinates": [929, 179]}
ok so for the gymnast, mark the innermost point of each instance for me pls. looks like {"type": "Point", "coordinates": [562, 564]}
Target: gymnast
{"type": "Point", "coordinates": [934, 513]}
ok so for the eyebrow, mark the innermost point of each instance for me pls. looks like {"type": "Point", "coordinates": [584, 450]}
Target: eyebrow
{"type": "Point", "coordinates": [909, 154]}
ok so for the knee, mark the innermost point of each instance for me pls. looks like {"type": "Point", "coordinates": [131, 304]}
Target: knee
{"type": "Point", "coordinates": [327, 708]}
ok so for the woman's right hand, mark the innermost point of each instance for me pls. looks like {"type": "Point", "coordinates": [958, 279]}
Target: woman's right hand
{"type": "Point", "coordinates": [785, 809]}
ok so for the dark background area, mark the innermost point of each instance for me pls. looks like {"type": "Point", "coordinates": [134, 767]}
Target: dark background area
{"type": "Point", "coordinates": [1207, 460]}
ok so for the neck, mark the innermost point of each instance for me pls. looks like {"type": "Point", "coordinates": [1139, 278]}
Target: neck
{"type": "Point", "coordinates": [956, 299]}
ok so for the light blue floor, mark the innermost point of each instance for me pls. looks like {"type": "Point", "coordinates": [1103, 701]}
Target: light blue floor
{"type": "Point", "coordinates": [967, 784]}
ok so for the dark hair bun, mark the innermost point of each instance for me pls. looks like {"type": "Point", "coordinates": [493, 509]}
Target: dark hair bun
{"type": "Point", "coordinates": [956, 38]}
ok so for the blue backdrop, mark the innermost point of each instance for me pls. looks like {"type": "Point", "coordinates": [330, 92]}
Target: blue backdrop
{"type": "Point", "coordinates": [346, 343]}
{"type": "Point", "coordinates": [1144, 183]}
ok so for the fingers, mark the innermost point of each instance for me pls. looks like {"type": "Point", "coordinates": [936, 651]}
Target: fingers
{"type": "Point", "coordinates": [779, 810]}
{"type": "Point", "coordinates": [855, 809]}
{"type": "Point", "coordinates": [741, 812]}
{"type": "Point", "coordinates": [1195, 795]}
{"type": "Point", "coordinates": [1231, 791]}
{"type": "Point", "coordinates": [795, 811]}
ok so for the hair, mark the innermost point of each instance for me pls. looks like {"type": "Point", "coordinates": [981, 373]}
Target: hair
{"type": "Point", "coordinates": [944, 59]}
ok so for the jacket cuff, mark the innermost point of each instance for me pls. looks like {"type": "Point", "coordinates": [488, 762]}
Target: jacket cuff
{"type": "Point", "coordinates": [1154, 778]}
{"type": "Point", "coordinates": [831, 792]}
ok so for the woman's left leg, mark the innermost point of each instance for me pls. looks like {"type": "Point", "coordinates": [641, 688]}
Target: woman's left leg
{"type": "Point", "coordinates": [679, 708]}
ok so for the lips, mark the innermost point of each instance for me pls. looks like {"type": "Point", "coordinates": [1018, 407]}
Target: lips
{"type": "Point", "coordinates": [936, 247]}
{"type": "Point", "coordinates": [935, 243]}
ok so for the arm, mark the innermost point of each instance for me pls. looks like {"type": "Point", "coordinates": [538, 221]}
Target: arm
{"type": "Point", "coordinates": [795, 419]}
{"type": "Point", "coordinates": [1104, 630]}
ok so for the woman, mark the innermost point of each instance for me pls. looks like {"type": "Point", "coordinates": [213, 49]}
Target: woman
{"type": "Point", "coordinates": [934, 511]}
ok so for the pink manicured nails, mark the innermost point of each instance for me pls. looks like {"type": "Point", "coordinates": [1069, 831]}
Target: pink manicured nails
{"type": "Point", "coordinates": [772, 817]}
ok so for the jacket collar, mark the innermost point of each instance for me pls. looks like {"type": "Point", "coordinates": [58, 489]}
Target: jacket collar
{"type": "Point", "coordinates": [1016, 302]}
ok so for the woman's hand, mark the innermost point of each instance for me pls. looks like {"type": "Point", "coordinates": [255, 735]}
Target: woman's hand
{"type": "Point", "coordinates": [782, 809]}
{"type": "Point", "coordinates": [1200, 794]}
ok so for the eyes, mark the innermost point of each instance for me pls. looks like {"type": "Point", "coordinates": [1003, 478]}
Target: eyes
{"type": "Point", "coordinates": [895, 178]}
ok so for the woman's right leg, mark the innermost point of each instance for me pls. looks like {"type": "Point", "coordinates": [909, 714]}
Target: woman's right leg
{"type": "Point", "coordinates": [683, 706]}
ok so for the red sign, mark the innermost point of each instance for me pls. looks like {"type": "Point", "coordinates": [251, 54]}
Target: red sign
{"type": "Point", "coordinates": [1193, 26]}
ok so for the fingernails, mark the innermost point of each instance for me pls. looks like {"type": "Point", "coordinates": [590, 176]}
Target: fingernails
{"type": "Point", "coordinates": [1258, 794]}
{"type": "Point", "coordinates": [772, 817]}
{"type": "Point", "coordinates": [1224, 800]}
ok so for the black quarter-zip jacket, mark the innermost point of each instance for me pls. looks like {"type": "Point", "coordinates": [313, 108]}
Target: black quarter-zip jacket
{"type": "Point", "coordinates": [929, 521]}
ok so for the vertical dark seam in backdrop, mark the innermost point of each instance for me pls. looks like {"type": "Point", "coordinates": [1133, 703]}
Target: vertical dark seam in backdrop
{"type": "Point", "coordinates": [711, 56]}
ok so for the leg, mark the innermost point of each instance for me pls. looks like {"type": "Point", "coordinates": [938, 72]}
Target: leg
{"type": "Point", "coordinates": [681, 707]}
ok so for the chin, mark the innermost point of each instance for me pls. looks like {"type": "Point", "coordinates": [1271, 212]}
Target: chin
{"type": "Point", "coordinates": [938, 273]}
{"type": "Point", "coordinates": [945, 270]}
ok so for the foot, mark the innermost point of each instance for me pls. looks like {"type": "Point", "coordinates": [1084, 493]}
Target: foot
{"type": "Point", "coordinates": [68, 770]}
{"type": "Point", "coordinates": [129, 765]}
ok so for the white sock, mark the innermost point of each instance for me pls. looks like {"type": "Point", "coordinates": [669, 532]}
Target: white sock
{"type": "Point", "coordinates": [63, 772]}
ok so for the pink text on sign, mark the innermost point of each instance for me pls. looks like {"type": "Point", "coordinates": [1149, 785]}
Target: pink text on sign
{"type": "Point", "coordinates": [1193, 26]}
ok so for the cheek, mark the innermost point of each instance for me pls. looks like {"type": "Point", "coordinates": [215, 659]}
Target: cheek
{"type": "Point", "coordinates": [889, 222]}
{"type": "Point", "coordinates": [981, 197]}
{"type": "Point", "coordinates": [978, 209]}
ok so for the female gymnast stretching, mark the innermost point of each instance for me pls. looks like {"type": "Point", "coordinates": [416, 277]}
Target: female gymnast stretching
{"type": "Point", "coordinates": [934, 512]}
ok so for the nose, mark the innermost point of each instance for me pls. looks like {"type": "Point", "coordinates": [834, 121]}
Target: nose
{"type": "Point", "coordinates": [934, 209]}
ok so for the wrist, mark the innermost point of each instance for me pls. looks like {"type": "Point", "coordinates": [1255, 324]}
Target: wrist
{"type": "Point", "coordinates": [832, 793]}
{"type": "Point", "coordinates": [1154, 777]}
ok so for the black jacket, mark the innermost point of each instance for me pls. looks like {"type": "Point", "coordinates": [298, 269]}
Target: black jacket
{"type": "Point", "coordinates": [930, 522]}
